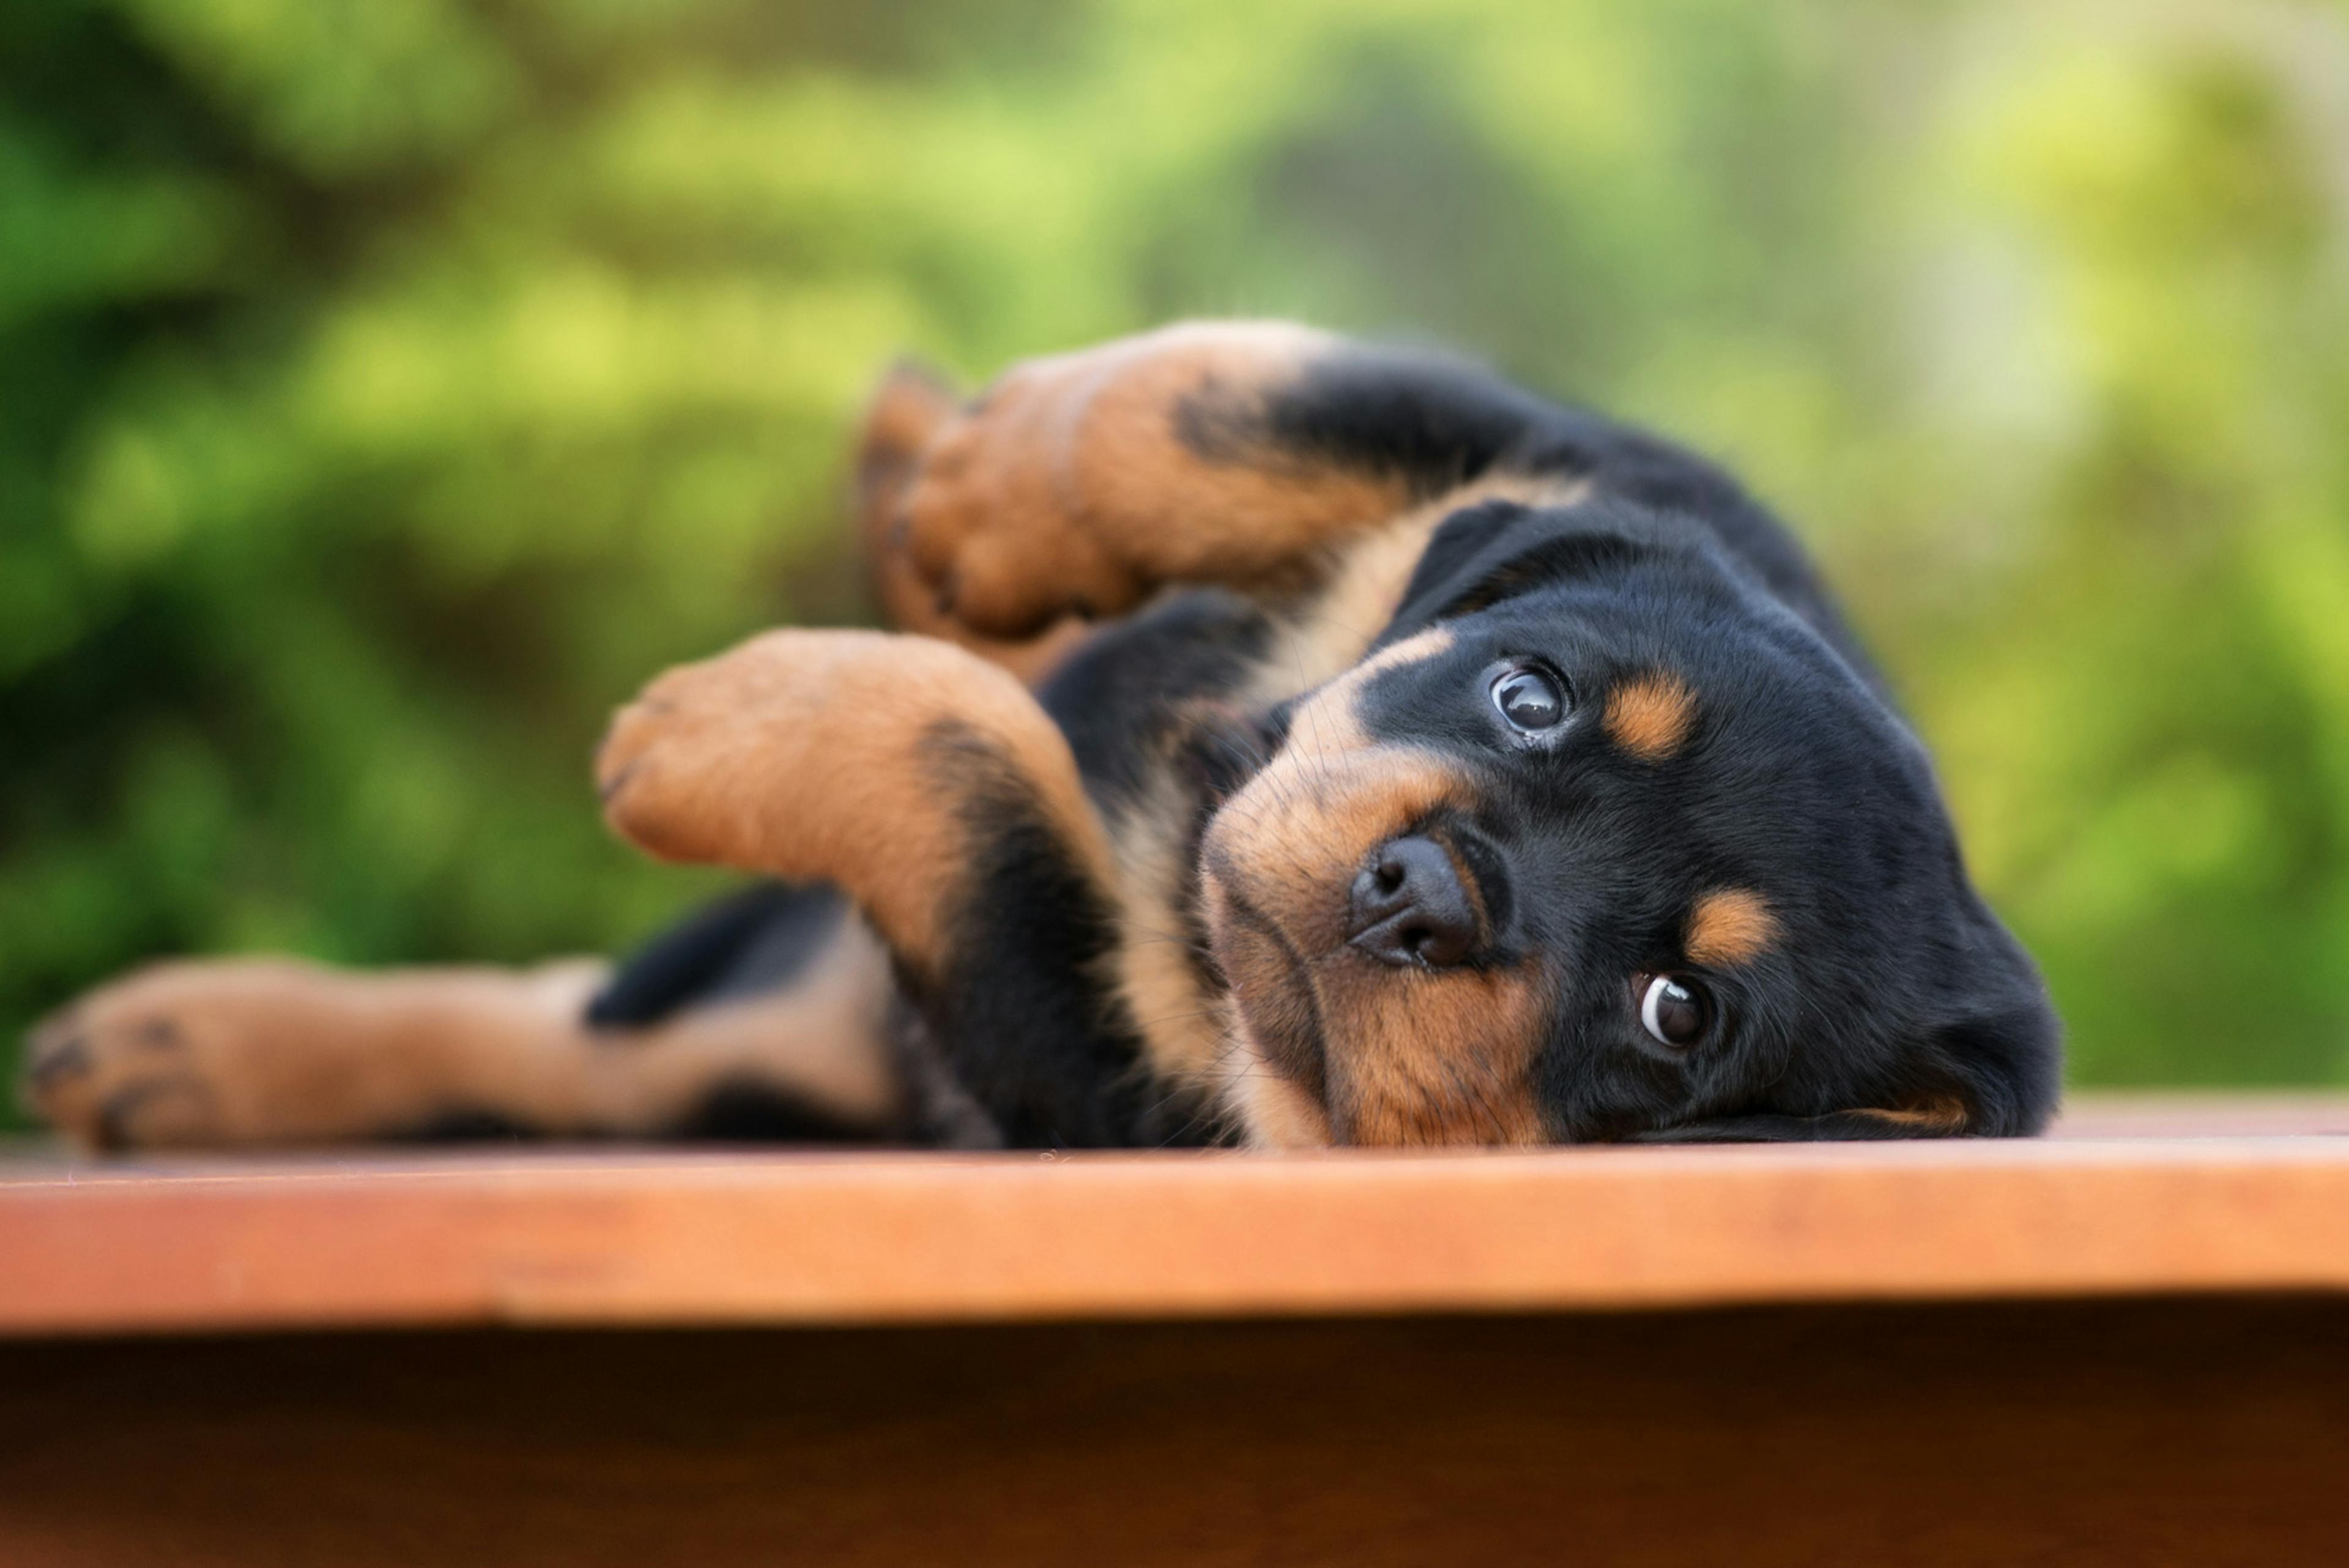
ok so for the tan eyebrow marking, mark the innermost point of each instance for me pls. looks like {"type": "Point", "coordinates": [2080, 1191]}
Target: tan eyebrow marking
{"type": "Point", "coordinates": [1730, 927]}
{"type": "Point", "coordinates": [1649, 715]}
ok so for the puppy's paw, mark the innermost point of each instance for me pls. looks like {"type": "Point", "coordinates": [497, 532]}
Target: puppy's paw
{"type": "Point", "coordinates": [166, 1056]}
{"type": "Point", "coordinates": [1079, 483]}
{"type": "Point", "coordinates": [717, 762]}
{"type": "Point", "coordinates": [911, 405]}
{"type": "Point", "coordinates": [846, 757]}
{"type": "Point", "coordinates": [995, 522]}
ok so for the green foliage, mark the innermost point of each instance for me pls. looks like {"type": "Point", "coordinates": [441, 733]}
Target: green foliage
{"type": "Point", "coordinates": [391, 385]}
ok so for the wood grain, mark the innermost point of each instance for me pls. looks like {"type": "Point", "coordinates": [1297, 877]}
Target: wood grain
{"type": "Point", "coordinates": [2052, 1434]}
{"type": "Point", "coordinates": [1880, 1411]}
{"type": "Point", "coordinates": [560, 1237]}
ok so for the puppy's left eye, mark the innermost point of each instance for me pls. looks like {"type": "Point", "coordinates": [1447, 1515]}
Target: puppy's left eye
{"type": "Point", "coordinates": [1674, 1010]}
{"type": "Point", "coordinates": [1530, 698]}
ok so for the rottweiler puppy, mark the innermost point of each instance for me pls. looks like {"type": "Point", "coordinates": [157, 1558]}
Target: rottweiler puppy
{"type": "Point", "coordinates": [1289, 742]}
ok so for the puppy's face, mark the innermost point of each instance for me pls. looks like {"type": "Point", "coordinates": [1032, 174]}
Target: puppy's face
{"type": "Point", "coordinates": [1601, 843]}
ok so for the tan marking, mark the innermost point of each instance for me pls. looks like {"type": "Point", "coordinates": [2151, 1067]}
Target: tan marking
{"type": "Point", "coordinates": [1730, 927]}
{"type": "Point", "coordinates": [1273, 1112]}
{"type": "Point", "coordinates": [1325, 630]}
{"type": "Point", "coordinates": [808, 755]}
{"type": "Point", "coordinates": [1940, 1115]}
{"type": "Point", "coordinates": [1443, 1057]}
{"type": "Point", "coordinates": [1187, 518]}
{"type": "Point", "coordinates": [1649, 715]}
{"type": "Point", "coordinates": [1332, 795]}
{"type": "Point", "coordinates": [263, 1051]}
{"type": "Point", "coordinates": [1183, 1024]}
{"type": "Point", "coordinates": [1327, 721]}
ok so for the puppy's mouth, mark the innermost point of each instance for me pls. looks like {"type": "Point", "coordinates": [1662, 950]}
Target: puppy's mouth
{"type": "Point", "coordinates": [1271, 980]}
{"type": "Point", "coordinates": [1349, 1047]}
{"type": "Point", "coordinates": [1353, 932]}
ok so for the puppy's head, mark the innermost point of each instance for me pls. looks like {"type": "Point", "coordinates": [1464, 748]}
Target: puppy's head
{"type": "Point", "coordinates": [1601, 842]}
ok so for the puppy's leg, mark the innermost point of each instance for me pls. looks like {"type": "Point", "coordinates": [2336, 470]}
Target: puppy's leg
{"type": "Point", "coordinates": [866, 760]}
{"type": "Point", "coordinates": [260, 1052]}
{"type": "Point", "coordinates": [929, 787]}
{"type": "Point", "coordinates": [1226, 453]}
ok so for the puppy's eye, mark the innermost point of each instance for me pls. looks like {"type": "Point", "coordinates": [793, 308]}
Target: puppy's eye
{"type": "Point", "coordinates": [1530, 698]}
{"type": "Point", "coordinates": [1674, 1010]}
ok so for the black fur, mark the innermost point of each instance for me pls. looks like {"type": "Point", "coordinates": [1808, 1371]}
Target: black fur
{"type": "Point", "coordinates": [748, 942]}
{"type": "Point", "coordinates": [1115, 700]}
{"type": "Point", "coordinates": [1440, 422]}
{"type": "Point", "coordinates": [1020, 1014]}
{"type": "Point", "coordinates": [746, 1110]}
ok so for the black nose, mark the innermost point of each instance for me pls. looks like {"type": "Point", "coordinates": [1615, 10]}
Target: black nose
{"type": "Point", "coordinates": [1409, 906]}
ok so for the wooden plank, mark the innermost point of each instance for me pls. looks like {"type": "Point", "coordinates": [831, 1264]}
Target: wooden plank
{"type": "Point", "coordinates": [2054, 1434]}
{"type": "Point", "coordinates": [603, 1237]}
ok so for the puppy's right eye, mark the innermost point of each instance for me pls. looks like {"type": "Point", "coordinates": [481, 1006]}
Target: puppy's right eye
{"type": "Point", "coordinates": [1530, 698]}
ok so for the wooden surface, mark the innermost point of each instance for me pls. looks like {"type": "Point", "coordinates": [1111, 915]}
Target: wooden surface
{"type": "Point", "coordinates": [1465, 1376]}
{"type": "Point", "coordinates": [2131, 1201]}
{"type": "Point", "coordinates": [2050, 1434]}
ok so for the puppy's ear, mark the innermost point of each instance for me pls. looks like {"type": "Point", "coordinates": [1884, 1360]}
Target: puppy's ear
{"type": "Point", "coordinates": [1494, 550]}
{"type": "Point", "coordinates": [1842, 1126]}
{"type": "Point", "coordinates": [1990, 1076]}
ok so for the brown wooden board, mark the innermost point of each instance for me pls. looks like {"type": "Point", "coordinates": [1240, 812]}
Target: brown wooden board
{"type": "Point", "coordinates": [2159, 1432]}
{"type": "Point", "coordinates": [556, 1237]}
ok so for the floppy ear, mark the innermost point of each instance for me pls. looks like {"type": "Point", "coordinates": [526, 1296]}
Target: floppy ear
{"type": "Point", "coordinates": [1993, 1075]}
{"type": "Point", "coordinates": [1949, 1119]}
{"type": "Point", "coordinates": [1483, 553]}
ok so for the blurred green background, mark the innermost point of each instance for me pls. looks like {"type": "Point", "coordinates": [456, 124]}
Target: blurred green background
{"type": "Point", "coordinates": [387, 386]}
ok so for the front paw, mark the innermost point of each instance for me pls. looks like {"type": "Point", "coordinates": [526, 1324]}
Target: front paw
{"type": "Point", "coordinates": [848, 757]}
{"type": "Point", "coordinates": [996, 521]}
{"type": "Point", "coordinates": [135, 1064]}
{"type": "Point", "coordinates": [742, 759]}
{"type": "Point", "coordinates": [910, 408]}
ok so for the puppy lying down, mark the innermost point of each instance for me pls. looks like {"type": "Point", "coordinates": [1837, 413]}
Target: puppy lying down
{"type": "Point", "coordinates": [1286, 742]}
